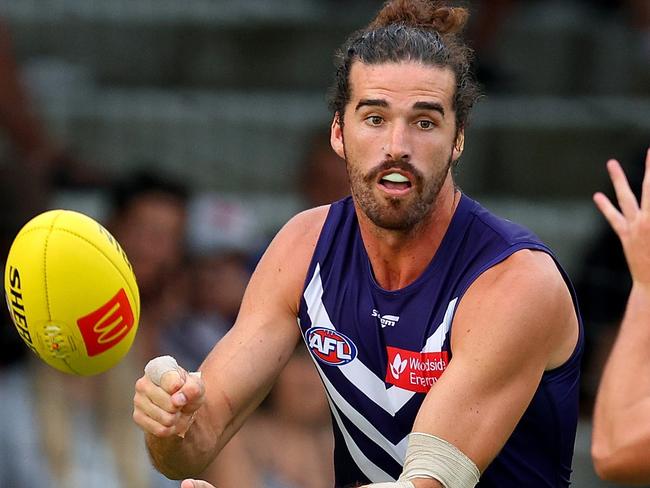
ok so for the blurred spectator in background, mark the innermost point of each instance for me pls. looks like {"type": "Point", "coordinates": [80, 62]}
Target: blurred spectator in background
{"type": "Point", "coordinates": [29, 170]}
{"type": "Point", "coordinates": [26, 177]}
{"type": "Point", "coordinates": [294, 418]}
{"type": "Point", "coordinates": [221, 236]}
{"type": "Point", "coordinates": [216, 282]}
{"type": "Point", "coordinates": [62, 431]}
{"type": "Point", "coordinates": [149, 220]}
{"type": "Point", "coordinates": [36, 161]}
{"type": "Point", "coordinates": [323, 177]}
{"type": "Point", "coordinates": [24, 182]}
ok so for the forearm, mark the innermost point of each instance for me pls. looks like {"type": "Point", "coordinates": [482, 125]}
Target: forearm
{"type": "Point", "coordinates": [622, 412]}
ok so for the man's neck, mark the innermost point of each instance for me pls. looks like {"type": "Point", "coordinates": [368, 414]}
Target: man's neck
{"type": "Point", "coordinates": [399, 258]}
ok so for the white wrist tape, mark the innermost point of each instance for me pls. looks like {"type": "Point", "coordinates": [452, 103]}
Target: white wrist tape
{"type": "Point", "coordinates": [392, 484]}
{"type": "Point", "coordinates": [428, 456]}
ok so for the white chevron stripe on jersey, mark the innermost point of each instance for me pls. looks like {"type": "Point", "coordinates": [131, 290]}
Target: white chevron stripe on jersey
{"type": "Point", "coordinates": [373, 472]}
{"type": "Point", "coordinates": [437, 339]}
{"type": "Point", "coordinates": [314, 299]}
{"type": "Point", "coordinates": [396, 451]}
{"type": "Point", "coordinates": [355, 371]}
{"type": "Point", "coordinates": [393, 398]}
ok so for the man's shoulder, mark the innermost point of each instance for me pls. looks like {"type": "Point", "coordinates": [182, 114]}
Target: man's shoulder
{"type": "Point", "coordinates": [294, 244]}
{"type": "Point", "coordinates": [304, 227]}
{"type": "Point", "coordinates": [283, 267]}
{"type": "Point", "coordinates": [524, 297]}
{"type": "Point", "coordinates": [486, 221]}
{"type": "Point", "coordinates": [526, 283]}
{"type": "Point", "coordinates": [525, 272]}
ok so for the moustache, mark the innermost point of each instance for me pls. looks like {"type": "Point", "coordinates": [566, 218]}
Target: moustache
{"type": "Point", "coordinates": [394, 164]}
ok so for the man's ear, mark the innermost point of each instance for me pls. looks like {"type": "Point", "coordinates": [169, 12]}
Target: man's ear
{"type": "Point", "coordinates": [336, 136]}
{"type": "Point", "coordinates": [459, 145]}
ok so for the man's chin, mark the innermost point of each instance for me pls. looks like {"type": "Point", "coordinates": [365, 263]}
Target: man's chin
{"type": "Point", "coordinates": [392, 220]}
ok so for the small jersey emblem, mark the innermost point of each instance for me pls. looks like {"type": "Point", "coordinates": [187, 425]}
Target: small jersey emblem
{"type": "Point", "coordinates": [329, 346]}
{"type": "Point", "coordinates": [385, 320]}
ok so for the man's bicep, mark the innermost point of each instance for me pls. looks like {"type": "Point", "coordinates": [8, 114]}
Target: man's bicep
{"type": "Point", "coordinates": [505, 333]}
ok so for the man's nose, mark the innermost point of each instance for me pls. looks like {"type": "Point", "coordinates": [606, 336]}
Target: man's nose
{"type": "Point", "coordinates": [397, 146]}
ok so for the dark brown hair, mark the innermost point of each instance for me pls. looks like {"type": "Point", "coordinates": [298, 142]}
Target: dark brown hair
{"type": "Point", "coordinates": [411, 30]}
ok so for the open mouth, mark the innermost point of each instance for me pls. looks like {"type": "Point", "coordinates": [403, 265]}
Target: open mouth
{"type": "Point", "coordinates": [395, 183]}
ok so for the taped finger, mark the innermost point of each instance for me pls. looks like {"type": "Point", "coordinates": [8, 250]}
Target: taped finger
{"type": "Point", "coordinates": [158, 367]}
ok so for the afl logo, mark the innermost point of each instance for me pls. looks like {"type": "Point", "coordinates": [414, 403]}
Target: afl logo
{"type": "Point", "coordinates": [330, 347]}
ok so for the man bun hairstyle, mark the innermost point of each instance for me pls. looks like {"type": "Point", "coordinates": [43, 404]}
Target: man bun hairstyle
{"type": "Point", "coordinates": [426, 31]}
{"type": "Point", "coordinates": [422, 13]}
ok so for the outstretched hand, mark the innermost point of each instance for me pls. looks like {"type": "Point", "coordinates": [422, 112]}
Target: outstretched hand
{"type": "Point", "coordinates": [632, 222]}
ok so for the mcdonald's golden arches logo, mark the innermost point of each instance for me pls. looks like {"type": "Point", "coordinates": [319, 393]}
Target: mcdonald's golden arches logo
{"type": "Point", "coordinates": [106, 326]}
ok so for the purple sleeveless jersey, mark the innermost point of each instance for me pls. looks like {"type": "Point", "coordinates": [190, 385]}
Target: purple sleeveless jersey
{"type": "Point", "coordinates": [378, 352]}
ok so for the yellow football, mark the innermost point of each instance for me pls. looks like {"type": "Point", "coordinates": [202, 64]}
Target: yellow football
{"type": "Point", "coordinates": [71, 292]}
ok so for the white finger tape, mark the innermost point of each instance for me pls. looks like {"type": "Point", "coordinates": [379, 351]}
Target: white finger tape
{"type": "Point", "coordinates": [157, 367]}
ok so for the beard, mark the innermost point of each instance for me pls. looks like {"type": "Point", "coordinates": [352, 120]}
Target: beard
{"type": "Point", "coordinates": [397, 214]}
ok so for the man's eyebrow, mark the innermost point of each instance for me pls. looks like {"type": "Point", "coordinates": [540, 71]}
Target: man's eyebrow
{"type": "Point", "coordinates": [429, 106]}
{"type": "Point", "coordinates": [371, 102]}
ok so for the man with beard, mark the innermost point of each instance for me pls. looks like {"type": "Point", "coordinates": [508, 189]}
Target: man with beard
{"type": "Point", "coordinates": [447, 338]}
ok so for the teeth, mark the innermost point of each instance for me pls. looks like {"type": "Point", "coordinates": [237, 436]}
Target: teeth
{"type": "Point", "coordinates": [396, 178]}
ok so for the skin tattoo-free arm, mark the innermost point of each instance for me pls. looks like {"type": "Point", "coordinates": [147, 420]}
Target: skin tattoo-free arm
{"type": "Point", "coordinates": [621, 435]}
{"type": "Point", "coordinates": [507, 331]}
{"type": "Point", "coordinates": [242, 367]}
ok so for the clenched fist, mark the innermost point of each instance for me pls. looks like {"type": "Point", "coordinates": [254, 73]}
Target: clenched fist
{"type": "Point", "coordinates": [166, 398]}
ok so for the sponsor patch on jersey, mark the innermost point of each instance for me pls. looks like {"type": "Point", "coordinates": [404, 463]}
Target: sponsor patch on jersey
{"type": "Point", "coordinates": [415, 371]}
{"type": "Point", "coordinates": [329, 346]}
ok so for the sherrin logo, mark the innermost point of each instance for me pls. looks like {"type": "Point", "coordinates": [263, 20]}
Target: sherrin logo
{"type": "Point", "coordinates": [330, 347]}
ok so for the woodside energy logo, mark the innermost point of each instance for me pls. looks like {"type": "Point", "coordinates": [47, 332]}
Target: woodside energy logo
{"type": "Point", "coordinates": [415, 371]}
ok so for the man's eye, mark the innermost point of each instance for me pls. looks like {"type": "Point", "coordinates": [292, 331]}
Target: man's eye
{"type": "Point", "coordinates": [425, 124]}
{"type": "Point", "coordinates": [375, 120]}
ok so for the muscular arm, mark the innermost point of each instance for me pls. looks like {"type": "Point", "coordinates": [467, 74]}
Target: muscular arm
{"type": "Point", "coordinates": [242, 367]}
{"type": "Point", "coordinates": [507, 331]}
{"type": "Point", "coordinates": [621, 435]}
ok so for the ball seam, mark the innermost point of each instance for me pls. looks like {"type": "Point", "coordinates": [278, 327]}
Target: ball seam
{"type": "Point", "coordinates": [47, 242]}
{"type": "Point", "coordinates": [126, 281]}
{"type": "Point", "coordinates": [51, 228]}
